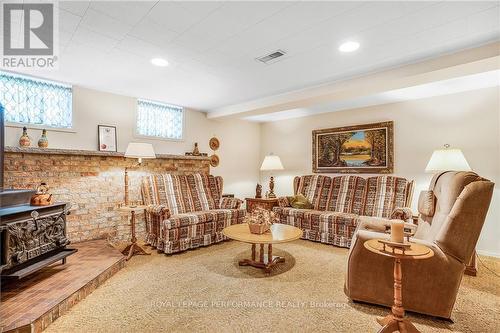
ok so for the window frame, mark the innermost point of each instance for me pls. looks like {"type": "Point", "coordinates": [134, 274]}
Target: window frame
{"type": "Point", "coordinates": [14, 124]}
{"type": "Point", "coordinates": [147, 137]}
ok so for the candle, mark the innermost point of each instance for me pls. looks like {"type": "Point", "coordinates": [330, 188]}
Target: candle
{"type": "Point", "coordinates": [397, 231]}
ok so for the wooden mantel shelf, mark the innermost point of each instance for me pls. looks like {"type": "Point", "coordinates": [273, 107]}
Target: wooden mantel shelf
{"type": "Point", "coordinates": [75, 152]}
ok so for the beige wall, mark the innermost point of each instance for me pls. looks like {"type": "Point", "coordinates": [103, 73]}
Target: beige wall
{"type": "Point", "coordinates": [91, 108]}
{"type": "Point", "coordinates": [467, 120]}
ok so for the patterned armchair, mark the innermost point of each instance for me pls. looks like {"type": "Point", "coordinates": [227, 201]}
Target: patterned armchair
{"type": "Point", "coordinates": [342, 202]}
{"type": "Point", "coordinates": [186, 211]}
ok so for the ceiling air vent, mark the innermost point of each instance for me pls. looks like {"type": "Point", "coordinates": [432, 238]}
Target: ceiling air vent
{"type": "Point", "coordinates": [272, 57]}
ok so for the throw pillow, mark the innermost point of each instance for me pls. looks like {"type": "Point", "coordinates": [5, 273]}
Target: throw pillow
{"type": "Point", "coordinates": [299, 201]}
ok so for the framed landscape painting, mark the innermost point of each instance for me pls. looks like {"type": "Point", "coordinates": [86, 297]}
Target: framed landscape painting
{"type": "Point", "coordinates": [354, 149]}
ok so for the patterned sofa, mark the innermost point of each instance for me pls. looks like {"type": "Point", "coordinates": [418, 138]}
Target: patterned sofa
{"type": "Point", "coordinates": [341, 202]}
{"type": "Point", "coordinates": [186, 211]}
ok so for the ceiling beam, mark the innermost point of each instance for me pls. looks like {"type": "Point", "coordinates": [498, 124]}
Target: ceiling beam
{"type": "Point", "coordinates": [469, 62]}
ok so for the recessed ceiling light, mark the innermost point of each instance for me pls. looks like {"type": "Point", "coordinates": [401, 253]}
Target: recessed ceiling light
{"type": "Point", "coordinates": [159, 62]}
{"type": "Point", "coordinates": [349, 46]}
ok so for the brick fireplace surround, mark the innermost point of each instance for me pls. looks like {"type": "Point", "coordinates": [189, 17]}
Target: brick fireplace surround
{"type": "Point", "coordinates": [93, 182]}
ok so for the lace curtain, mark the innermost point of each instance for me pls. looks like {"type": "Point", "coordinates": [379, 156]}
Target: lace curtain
{"type": "Point", "coordinates": [32, 101]}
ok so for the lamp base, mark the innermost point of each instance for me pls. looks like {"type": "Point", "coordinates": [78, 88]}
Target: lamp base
{"type": "Point", "coordinates": [271, 194]}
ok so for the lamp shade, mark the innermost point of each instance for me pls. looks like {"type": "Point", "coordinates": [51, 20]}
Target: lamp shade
{"type": "Point", "coordinates": [140, 150]}
{"type": "Point", "coordinates": [271, 162]}
{"type": "Point", "coordinates": [447, 159]}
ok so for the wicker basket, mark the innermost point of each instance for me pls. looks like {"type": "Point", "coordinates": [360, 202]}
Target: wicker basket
{"type": "Point", "coordinates": [258, 228]}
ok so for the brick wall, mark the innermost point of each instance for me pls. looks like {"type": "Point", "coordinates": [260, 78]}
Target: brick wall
{"type": "Point", "coordinates": [93, 182]}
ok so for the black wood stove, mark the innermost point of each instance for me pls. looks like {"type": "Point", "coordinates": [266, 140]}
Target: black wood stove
{"type": "Point", "coordinates": [31, 237]}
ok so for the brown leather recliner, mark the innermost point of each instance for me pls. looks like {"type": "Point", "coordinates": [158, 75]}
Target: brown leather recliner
{"type": "Point", "coordinates": [451, 217]}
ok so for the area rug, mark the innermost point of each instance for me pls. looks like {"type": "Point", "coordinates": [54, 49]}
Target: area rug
{"type": "Point", "coordinates": [204, 290]}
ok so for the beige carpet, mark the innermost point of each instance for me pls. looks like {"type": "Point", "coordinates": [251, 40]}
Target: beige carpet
{"type": "Point", "coordinates": [204, 290]}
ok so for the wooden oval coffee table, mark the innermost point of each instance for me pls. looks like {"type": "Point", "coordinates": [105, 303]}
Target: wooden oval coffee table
{"type": "Point", "coordinates": [279, 233]}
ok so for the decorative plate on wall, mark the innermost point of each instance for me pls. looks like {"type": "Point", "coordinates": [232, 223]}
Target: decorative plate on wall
{"type": "Point", "coordinates": [214, 160]}
{"type": "Point", "coordinates": [214, 143]}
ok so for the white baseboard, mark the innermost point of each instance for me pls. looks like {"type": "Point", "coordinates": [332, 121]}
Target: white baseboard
{"type": "Point", "coordinates": [488, 253]}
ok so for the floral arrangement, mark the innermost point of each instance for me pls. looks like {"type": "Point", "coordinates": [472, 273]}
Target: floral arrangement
{"type": "Point", "coordinates": [260, 220]}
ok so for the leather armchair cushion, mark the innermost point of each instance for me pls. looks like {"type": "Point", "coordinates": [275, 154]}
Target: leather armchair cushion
{"type": "Point", "coordinates": [427, 203]}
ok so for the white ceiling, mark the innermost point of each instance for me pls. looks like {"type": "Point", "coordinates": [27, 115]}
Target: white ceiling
{"type": "Point", "coordinates": [212, 46]}
{"type": "Point", "coordinates": [437, 88]}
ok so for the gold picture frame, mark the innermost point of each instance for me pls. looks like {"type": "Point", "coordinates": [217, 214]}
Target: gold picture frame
{"type": "Point", "coordinates": [367, 148]}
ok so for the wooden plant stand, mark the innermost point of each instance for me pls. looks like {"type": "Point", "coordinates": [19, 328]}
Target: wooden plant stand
{"type": "Point", "coordinates": [396, 321]}
{"type": "Point", "coordinates": [133, 248]}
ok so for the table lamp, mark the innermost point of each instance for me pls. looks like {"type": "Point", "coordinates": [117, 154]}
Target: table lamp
{"type": "Point", "coordinates": [447, 159]}
{"type": "Point", "coordinates": [271, 162]}
{"type": "Point", "coordinates": [136, 150]}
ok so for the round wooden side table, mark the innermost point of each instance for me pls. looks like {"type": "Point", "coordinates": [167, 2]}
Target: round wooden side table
{"type": "Point", "coordinates": [396, 321]}
{"type": "Point", "coordinates": [133, 248]}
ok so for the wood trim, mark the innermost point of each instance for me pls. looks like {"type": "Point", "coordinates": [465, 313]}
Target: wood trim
{"type": "Point", "coordinates": [471, 266]}
{"type": "Point", "coordinates": [76, 152]}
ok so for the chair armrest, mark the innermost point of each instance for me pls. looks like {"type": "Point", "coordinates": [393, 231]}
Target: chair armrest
{"type": "Point", "coordinates": [383, 225]}
{"type": "Point", "coordinates": [156, 214]}
{"type": "Point", "coordinates": [283, 202]}
{"type": "Point", "coordinates": [402, 213]}
{"type": "Point", "coordinates": [230, 203]}
{"type": "Point", "coordinates": [158, 211]}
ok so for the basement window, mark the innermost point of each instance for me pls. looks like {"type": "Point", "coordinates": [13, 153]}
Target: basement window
{"type": "Point", "coordinates": [159, 120]}
{"type": "Point", "coordinates": [32, 101]}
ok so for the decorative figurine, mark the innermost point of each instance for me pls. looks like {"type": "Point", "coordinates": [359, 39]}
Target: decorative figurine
{"type": "Point", "coordinates": [25, 140]}
{"type": "Point", "coordinates": [196, 151]}
{"type": "Point", "coordinates": [43, 142]}
{"type": "Point", "coordinates": [258, 191]}
{"type": "Point", "coordinates": [42, 197]}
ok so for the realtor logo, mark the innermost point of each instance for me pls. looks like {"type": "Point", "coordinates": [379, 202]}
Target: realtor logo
{"type": "Point", "coordinates": [28, 33]}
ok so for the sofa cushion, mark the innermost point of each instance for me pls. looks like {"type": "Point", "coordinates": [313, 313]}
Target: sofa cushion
{"type": "Point", "coordinates": [290, 211]}
{"type": "Point", "coordinates": [227, 214]}
{"type": "Point", "coordinates": [346, 194]}
{"type": "Point", "coordinates": [343, 224]}
{"type": "Point", "coordinates": [315, 188]}
{"type": "Point", "coordinates": [169, 190]}
{"type": "Point", "coordinates": [322, 226]}
{"type": "Point", "coordinates": [185, 219]}
{"type": "Point", "coordinates": [383, 194]}
{"type": "Point", "coordinates": [204, 191]}
{"type": "Point", "coordinates": [182, 193]}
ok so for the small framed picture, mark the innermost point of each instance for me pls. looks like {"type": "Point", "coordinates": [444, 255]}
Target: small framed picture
{"type": "Point", "coordinates": [106, 138]}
